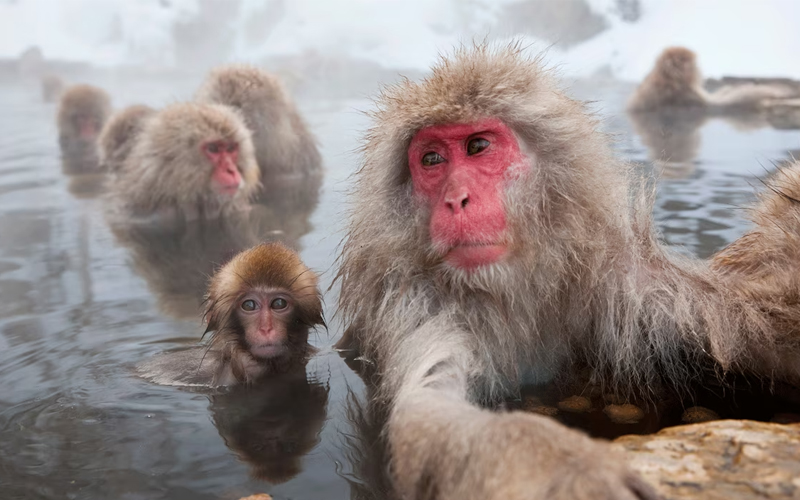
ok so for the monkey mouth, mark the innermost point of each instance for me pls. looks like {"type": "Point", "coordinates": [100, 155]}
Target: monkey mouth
{"type": "Point", "coordinates": [471, 255]}
{"type": "Point", "coordinates": [268, 351]}
{"type": "Point", "coordinates": [229, 190]}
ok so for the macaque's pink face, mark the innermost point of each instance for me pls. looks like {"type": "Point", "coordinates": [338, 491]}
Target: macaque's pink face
{"type": "Point", "coordinates": [460, 171]}
{"type": "Point", "coordinates": [224, 155]}
{"type": "Point", "coordinates": [88, 126]}
{"type": "Point", "coordinates": [265, 316]}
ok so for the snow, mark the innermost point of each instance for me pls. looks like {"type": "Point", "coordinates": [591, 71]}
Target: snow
{"type": "Point", "coordinates": [731, 37]}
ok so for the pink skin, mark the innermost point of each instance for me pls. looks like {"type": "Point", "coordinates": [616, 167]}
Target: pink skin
{"type": "Point", "coordinates": [87, 127]}
{"type": "Point", "coordinates": [265, 319]}
{"type": "Point", "coordinates": [465, 192]}
{"type": "Point", "coordinates": [224, 155]}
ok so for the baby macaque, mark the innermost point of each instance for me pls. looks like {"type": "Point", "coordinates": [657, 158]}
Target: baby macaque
{"type": "Point", "coordinates": [82, 113]}
{"type": "Point", "coordinates": [283, 144]}
{"type": "Point", "coordinates": [675, 82]}
{"type": "Point", "coordinates": [190, 160]}
{"type": "Point", "coordinates": [259, 309]}
{"type": "Point", "coordinates": [119, 135]}
{"type": "Point", "coordinates": [52, 87]}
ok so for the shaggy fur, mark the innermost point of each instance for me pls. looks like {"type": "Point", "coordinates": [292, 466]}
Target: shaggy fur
{"type": "Point", "coordinates": [81, 102]}
{"type": "Point", "coordinates": [283, 144]}
{"type": "Point", "coordinates": [119, 135]}
{"type": "Point", "coordinates": [166, 169]}
{"type": "Point", "coordinates": [265, 266]}
{"type": "Point", "coordinates": [675, 82]}
{"type": "Point", "coordinates": [587, 281]}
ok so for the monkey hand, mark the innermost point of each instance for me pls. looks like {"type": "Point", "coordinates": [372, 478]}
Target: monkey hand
{"type": "Point", "coordinates": [479, 455]}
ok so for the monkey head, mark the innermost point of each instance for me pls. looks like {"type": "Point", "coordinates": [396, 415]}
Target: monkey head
{"type": "Point", "coordinates": [260, 307]}
{"type": "Point", "coordinates": [677, 67]}
{"type": "Point", "coordinates": [83, 111]}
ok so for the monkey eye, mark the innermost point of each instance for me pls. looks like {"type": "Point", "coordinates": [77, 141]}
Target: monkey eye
{"type": "Point", "coordinates": [232, 146]}
{"type": "Point", "coordinates": [278, 304]}
{"type": "Point", "coordinates": [249, 305]}
{"type": "Point", "coordinates": [213, 147]}
{"type": "Point", "coordinates": [476, 145]}
{"type": "Point", "coordinates": [431, 159]}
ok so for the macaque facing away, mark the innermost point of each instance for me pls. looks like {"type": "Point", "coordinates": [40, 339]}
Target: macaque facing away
{"type": "Point", "coordinates": [496, 241]}
{"type": "Point", "coordinates": [119, 135]}
{"type": "Point", "coordinates": [82, 113]}
{"type": "Point", "coordinates": [52, 88]}
{"type": "Point", "coordinates": [259, 309]}
{"type": "Point", "coordinates": [283, 144]}
{"type": "Point", "coordinates": [675, 81]}
{"type": "Point", "coordinates": [190, 160]}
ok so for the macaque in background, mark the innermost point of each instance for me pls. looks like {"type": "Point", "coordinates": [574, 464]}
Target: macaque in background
{"type": "Point", "coordinates": [52, 88]}
{"type": "Point", "coordinates": [496, 241]}
{"type": "Point", "coordinates": [119, 135]}
{"type": "Point", "coordinates": [176, 259]}
{"type": "Point", "coordinates": [273, 424]}
{"type": "Point", "coordinates": [283, 144]}
{"type": "Point", "coordinates": [259, 308]}
{"type": "Point", "coordinates": [82, 113]}
{"type": "Point", "coordinates": [675, 81]}
{"type": "Point", "coordinates": [191, 161]}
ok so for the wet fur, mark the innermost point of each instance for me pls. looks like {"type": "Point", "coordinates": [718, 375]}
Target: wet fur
{"type": "Point", "coordinates": [120, 134]}
{"type": "Point", "coordinates": [588, 283]}
{"type": "Point", "coordinates": [166, 168]}
{"type": "Point", "coordinates": [283, 144]}
{"type": "Point", "coordinates": [81, 100]}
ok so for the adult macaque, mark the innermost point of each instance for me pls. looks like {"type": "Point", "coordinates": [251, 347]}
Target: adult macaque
{"type": "Point", "coordinates": [675, 81]}
{"type": "Point", "coordinates": [259, 309]}
{"type": "Point", "coordinates": [82, 113]}
{"type": "Point", "coordinates": [283, 144]}
{"type": "Point", "coordinates": [119, 135]}
{"type": "Point", "coordinates": [494, 241]}
{"type": "Point", "coordinates": [191, 160]}
{"type": "Point", "coordinates": [52, 88]}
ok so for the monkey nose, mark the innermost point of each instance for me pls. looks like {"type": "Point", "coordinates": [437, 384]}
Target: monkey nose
{"type": "Point", "coordinates": [457, 201]}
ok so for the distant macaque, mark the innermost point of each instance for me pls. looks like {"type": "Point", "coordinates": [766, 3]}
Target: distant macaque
{"type": "Point", "coordinates": [119, 135]}
{"type": "Point", "coordinates": [259, 309]}
{"type": "Point", "coordinates": [189, 160]}
{"type": "Point", "coordinates": [283, 144]}
{"type": "Point", "coordinates": [82, 113]}
{"type": "Point", "coordinates": [52, 88]}
{"type": "Point", "coordinates": [675, 81]}
{"type": "Point", "coordinates": [496, 241]}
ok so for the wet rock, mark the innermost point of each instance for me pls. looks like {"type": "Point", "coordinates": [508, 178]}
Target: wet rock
{"type": "Point", "coordinates": [697, 414]}
{"type": "Point", "coordinates": [624, 414]}
{"type": "Point", "coordinates": [784, 114]}
{"type": "Point", "coordinates": [534, 405]}
{"type": "Point", "coordinates": [785, 418]}
{"type": "Point", "coordinates": [575, 404]}
{"type": "Point", "coordinates": [721, 460]}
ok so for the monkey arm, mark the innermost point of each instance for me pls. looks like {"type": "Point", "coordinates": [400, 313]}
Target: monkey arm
{"type": "Point", "coordinates": [444, 446]}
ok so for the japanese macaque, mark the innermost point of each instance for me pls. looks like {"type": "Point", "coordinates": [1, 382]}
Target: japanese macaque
{"type": "Point", "coordinates": [274, 424]}
{"type": "Point", "coordinates": [259, 309]}
{"type": "Point", "coordinates": [675, 81]}
{"type": "Point", "coordinates": [190, 160]}
{"type": "Point", "coordinates": [283, 144]}
{"type": "Point", "coordinates": [82, 113]}
{"type": "Point", "coordinates": [495, 240]}
{"type": "Point", "coordinates": [119, 135]}
{"type": "Point", "coordinates": [52, 88]}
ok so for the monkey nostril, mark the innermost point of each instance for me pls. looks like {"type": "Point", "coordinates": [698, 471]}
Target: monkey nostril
{"type": "Point", "coordinates": [464, 202]}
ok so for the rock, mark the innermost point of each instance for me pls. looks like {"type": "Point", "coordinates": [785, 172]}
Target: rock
{"type": "Point", "coordinates": [624, 414]}
{"type": "Point", "coordinates": [784, 114]}
{"type": "Point", "coordinates": [575, 404]}
{"type": "Point", "coordinates": [697, 414]}
{"type": "Point", "coordinates": [785, 418]}
{"type": "Point", "coordinates": [534, 405]}
{"type": "Point", "coordinates": [720, 460]}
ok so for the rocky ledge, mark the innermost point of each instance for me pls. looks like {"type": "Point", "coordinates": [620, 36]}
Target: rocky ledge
{"type": "Point", "coordinates": [720, 460]}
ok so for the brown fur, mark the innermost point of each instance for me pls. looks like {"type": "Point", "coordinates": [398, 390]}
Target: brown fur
{"type": "Point", "coordinates": [264, 266]}
{"type": "Point", "coordinates": [588, 284]}
{"type": "Point", "coordinates": [166, 169]}
{"type": "Point", "coordinates": [283, 144]}
{"type": "Point", "coordinates": [81, 101]}
{"type": "Point", "coordinates": [675, 82]}
{"type": "Point", "coordinates": [52, 87]}
{"type": "Point", "coordinates": [119, 135]}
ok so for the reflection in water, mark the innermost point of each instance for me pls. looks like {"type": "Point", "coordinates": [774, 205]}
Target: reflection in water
{"type": "Point", "coordinates": [178, 258]}
{"type": "Point", "coordinates": [272, 424]}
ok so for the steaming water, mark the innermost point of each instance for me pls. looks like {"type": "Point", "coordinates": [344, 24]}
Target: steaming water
{"type": "Point", "coordinates": [80, 305]}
